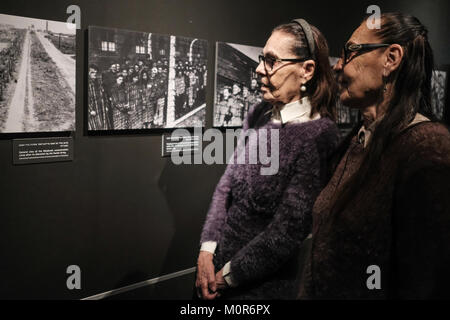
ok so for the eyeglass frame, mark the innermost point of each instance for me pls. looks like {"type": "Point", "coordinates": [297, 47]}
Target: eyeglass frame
{"type": "Point", "coordinates": [263, 59]}
{"type": "Point", "coordinates": [359, 47]}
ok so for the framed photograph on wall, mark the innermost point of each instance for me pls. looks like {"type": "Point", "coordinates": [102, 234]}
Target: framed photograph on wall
{"type": "Point", "coordinates": [236, 86]}
{"type": "Point", "coordinates": [346, 118]}
{"type": "Point", "coordinates": [439, 93]}
{"type": "Point", "coordinates": [37, 75]}
{"type": "Point", "coordinates": [142, 80]}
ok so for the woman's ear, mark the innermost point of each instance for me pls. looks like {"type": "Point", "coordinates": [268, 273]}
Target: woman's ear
{"type": "Point", "coordinates": [394, 56]}
{"type": "Point", "coordinates": [309, 66]}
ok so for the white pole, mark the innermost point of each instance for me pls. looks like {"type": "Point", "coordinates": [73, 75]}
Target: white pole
{"type": "Point", "coordinates": [171, 88]}
{"type": "Point", "coordinates": [190, 50]}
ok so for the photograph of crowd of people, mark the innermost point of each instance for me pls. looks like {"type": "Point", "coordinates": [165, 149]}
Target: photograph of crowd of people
{"type": "Point", "coordinates": [140, 80]}
{"type": "Point", "coordinates": [37, 75]}
{"type": "Point", "coordinates": [237, 87]}
{"type": "Point", "coordinates": [438, 93]}
{"type": "Point", "coordinates": [346, 118]}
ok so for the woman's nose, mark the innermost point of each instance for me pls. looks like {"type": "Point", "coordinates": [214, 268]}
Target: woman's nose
{"type": "Point", "coordinates": [260, 69]}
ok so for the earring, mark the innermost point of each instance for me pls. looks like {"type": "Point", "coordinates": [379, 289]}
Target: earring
{"type": "Point", "coordinates": [303, 88]}
{"type": "Point", "coordinates": [385, 75]}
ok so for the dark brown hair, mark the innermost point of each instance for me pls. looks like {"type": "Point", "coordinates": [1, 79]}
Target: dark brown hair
{"type": "Point", "coordinates": [322, 88]}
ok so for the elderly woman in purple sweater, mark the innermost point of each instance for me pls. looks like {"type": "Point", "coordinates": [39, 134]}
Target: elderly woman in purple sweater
{"type": "Point", "coordinates": [256, 223]}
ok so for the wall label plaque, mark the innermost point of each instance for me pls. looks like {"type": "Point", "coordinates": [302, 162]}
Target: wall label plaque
{"type": "Point", "coordinates": [181, 144]}
{"type": "Point", "coordinates": [42, 150]}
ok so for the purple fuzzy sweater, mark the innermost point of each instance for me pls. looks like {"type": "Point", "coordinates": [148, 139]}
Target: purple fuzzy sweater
{"type": "Point", "coordinates": [259, 221]}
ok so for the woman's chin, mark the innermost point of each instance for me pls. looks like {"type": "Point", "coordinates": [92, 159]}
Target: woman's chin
{"type": "Point", "coordinates": [350, 102]}
{"type": "Point", "coordinates": [346, 99]}
{"type": "Point", "coordinates": [267, 96]}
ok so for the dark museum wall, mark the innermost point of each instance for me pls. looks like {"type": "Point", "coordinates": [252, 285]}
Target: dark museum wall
{"type": "Point", "coordinates": [120, 211]}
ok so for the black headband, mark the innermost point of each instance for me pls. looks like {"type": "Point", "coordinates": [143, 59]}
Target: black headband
{"type": "Point", "coordinates": [308, 34]}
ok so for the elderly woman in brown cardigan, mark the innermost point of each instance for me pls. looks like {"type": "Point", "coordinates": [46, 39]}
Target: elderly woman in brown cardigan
{"type": "Point", "coordinates": [381, 227]}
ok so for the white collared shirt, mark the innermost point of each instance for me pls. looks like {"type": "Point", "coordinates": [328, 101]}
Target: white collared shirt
{"type": "Point", "coordinates": [364, 134]}
{"type": "Point", "coordinates": [295, 112]}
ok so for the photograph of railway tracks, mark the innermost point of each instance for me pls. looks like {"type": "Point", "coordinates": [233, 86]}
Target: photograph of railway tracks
{"type": "Point", "coordinates": [37, 75]}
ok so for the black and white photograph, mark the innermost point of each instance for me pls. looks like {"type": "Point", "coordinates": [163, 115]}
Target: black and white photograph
{"type": "Point", "coordinates": [346, 118]}
{"type": "Point", "coordinates": [438, 93]}
{"type": "Point", "coordinates": [346, 115]}
{"type": "Point", "coordinates": [237, 86]}
{"type": "Point", "coordinates": [141, 80]}
{"type": "Point", "coordinates": [37, 75]}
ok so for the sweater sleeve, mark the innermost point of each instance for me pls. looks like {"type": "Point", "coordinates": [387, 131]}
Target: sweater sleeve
{"type": "Point", "coordinates": [421, 238]}
{"type": "Point", "coordinates": [290, 225]}
{"type": "Point", "coordinates": [218, 209]}
{"type": "Point", "coordinates": [222, 197]}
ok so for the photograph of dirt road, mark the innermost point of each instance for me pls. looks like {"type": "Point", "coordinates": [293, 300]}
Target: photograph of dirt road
{"type": "Point", "coordinates": [37, 75]}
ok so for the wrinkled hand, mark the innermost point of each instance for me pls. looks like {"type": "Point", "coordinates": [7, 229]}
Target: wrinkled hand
{"type": "Point", "coordinates": [220, 281]}
{"type": "Point", "coordinates": [206, 279]}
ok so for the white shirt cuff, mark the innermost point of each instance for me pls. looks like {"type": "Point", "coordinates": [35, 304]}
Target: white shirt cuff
{"type": "Point", "coordinates": [209, 246]}
{"type": "Point", "coordinates": [226, 273]}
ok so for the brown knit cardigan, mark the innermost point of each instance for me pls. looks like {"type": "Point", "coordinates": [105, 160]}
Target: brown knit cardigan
{"type": "Point", "coordinates": [399, 221]}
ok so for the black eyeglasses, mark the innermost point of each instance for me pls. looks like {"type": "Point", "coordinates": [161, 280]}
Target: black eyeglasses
{"type": "Point", "coordinates": [349, 48]}
{"type": "Point", "coordinates": [269, 61]}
